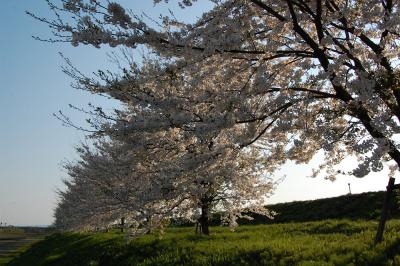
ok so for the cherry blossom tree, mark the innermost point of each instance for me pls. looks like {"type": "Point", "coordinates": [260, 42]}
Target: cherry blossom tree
{"type": "Point", "coordinates": [325, 71]}
{"type": "Point", "coordinates": [293, 77]}
{"type": "Point", "coordinates": [147, 185]}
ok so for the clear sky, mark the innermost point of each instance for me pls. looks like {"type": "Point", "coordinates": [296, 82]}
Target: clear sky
{"type": "Point", "coordinates": [33, 143]}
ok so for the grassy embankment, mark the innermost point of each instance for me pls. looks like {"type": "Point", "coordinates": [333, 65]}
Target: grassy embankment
{"type": "Point", "coordinates": [14, 241]}
{"type": "Point", "coordinates": [321, 242]}
{"type": "Point", "coordinates": [364, 206]}
{"type": "Point", "coordinates": [329, 242]}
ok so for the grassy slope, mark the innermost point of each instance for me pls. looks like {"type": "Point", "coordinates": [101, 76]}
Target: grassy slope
{"type": "Point", "coordinates": [365, 206]}
{"type": "Point", "coordinates": [14, 241]}
{"type": "Point", "coordinates": [329, 242]}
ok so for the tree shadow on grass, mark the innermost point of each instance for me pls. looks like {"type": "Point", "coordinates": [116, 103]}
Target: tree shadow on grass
{"type": "Point", "coordinates": [67, 249]}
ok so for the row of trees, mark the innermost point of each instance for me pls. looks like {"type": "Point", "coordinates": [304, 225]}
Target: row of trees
{"type": "Point", "coordinates": [149, 178]}
{"type": "Point", "coordinates": [222, 102]}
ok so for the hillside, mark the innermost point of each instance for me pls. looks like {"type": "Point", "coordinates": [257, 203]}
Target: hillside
{"type": "Point", "coordinates": [328, 242]}
{"type": "Point", "coordinates": [365, 206]}
{"type": "Point", "coordinates": [315, 239]}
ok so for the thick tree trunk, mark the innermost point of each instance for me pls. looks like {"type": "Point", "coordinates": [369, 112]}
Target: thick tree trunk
{"type": "Point", "coordinates": [204, 223]}
{"type": "Point", "coordinates": [122, 224]}
{"type": "Point", "coordinates": [385, 209]}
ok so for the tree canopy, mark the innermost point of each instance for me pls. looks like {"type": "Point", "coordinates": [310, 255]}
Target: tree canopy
{"type": "Point", "coordinates": [288, 78]}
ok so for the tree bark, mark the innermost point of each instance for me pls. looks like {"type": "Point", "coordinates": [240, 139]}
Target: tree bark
{"type": "Point", "coordinates": [204, 223]}
{"type": "Point", "coordinates": [122, 224]}
{"type": "Point", "coordinates": [149, 220]}
{"type": "Point", "coordinates": [385, 209]}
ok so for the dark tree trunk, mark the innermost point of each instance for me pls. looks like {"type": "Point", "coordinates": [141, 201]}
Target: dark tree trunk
{"type": "Point", "coordinates": [204, 223]}
{"type": "Point", "coordinates": [122, 224]}
{"type": "Point", "coordinates": [149, 220]}
{"type": "Point", "coordinates": [385, 209]}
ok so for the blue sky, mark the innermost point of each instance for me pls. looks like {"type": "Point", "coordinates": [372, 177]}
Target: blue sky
{"type": "Point", "coordinates": [33, 143]}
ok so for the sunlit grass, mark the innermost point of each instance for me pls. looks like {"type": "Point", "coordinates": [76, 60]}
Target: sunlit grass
{"type": "Point", "coordinates": [329, 242]}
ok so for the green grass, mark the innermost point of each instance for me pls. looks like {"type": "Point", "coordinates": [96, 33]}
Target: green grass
{"type": "Point", "coordinates": [301, 234]}
{"type": "Point", "coordinates": [328, 242]}
{"type": "Point", "coordinates": [5, 259]}
{"type": "Point", "coordinates": [364, 206]}
{"type": "Point", "coordinates": [14, 241]}
{"type": "Point", "coordinates": [11, 230]}
{"type": "Point", "coordinates": [356, 206]}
